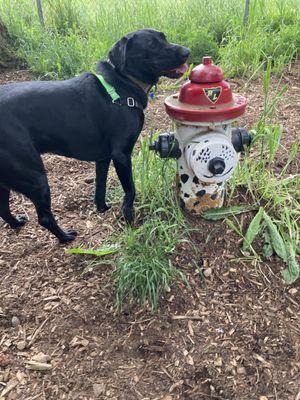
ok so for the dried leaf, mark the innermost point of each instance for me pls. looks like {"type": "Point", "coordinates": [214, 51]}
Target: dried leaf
{"type": "Point", "coordinates": [189, 359]}
{"type": "Point", "coordinates": [37, 366]}
{"type": "Point", "coordinates": [41, 357]}
{"type": "Point", "coordinates": [10, 386]}
{"type": "Point", "coordinates": [22, 378]}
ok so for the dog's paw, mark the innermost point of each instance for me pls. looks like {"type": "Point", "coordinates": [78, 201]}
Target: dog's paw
{"type": "Point", "coordinates": [103, 208]}
{"type": "Point", "coordinates": [69, 236]}
{"type": "Point", "coordinates": [19, 221]}
{"type": "Point", "coordinates": [128, 214]}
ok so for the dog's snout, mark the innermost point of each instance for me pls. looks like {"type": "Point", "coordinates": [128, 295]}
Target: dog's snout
{"type": "Point", "coordinates": [184, 52]}
{"type": "Point", "coordinates": [216, 166]}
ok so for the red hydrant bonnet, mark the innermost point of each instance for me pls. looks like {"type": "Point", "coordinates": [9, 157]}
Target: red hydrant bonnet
{"type": "Point", "coordinates": [206, 97]}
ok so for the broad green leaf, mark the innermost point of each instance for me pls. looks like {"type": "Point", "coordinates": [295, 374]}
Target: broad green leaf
{"type": "Point", "coordinates": [97, 252]}
{"type": "Point", "coordinates": [223, 212]}
{"type": "Point", "coordinates": [253, 229]}
{"type": "Point", "coordinates": [267, 247]}
{"type": "Point", "coordinates": [291, 273]}
{"type": "Point", "coordinates": [276, 239]}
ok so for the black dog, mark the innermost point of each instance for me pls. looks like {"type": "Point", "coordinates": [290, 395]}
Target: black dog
{"type": "Point", "coordinates": [78, 118]}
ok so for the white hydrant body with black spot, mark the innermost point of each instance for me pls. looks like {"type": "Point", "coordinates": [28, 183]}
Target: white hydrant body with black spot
{"type": "Point", "coordinates": [207, 161]}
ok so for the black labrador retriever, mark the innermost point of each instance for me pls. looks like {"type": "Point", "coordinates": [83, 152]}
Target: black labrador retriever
{"type": "Point", "coordinates": [78, 118]}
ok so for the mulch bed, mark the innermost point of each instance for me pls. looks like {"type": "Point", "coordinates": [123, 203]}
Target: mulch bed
{"type": "Point", "coordinates": [233, 335]}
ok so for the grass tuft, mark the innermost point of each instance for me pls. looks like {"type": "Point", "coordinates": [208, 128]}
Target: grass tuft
{"type": "Point", "coordinates": [146, 267]}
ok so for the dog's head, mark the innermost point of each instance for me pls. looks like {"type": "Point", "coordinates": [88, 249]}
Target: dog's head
{"type": "Point", "coordinates": [146, 55]}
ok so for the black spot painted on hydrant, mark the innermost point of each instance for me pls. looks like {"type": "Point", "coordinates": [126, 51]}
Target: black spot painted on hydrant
{"type": "Point", "coordinates": [184, 178]}
{"type": "Point", "coordinates": [201, 193]}
{"type": "Point", "coordinates": [186, 195]}
{"type": "Point", "coordinates": [213, 196]}
{"type": "Point", "coordinates": [194, 152]}
{"type": "Point", "coordinates": [182, 203]}
{"type": "Point", "coordinates": [219, 183]}
{"type": "Point", "coordinates": [179, 185]}
{"type": "Point", "coordinates": [196, 180]}
{"type": "Point", "coordinates": [196, 203]}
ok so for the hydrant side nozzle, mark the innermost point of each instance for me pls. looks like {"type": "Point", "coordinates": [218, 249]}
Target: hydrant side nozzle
{"type": "Point", "coordinates": [240, 139]}
{"type": "Point", "coordinates": [166, 146]}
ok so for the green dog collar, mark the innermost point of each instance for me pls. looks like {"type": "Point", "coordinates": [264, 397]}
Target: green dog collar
{"type": "Point", "coordinates": [110, 89]}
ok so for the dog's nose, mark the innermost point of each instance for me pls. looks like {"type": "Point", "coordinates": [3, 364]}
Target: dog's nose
{"type": "Point", "coordinates": [216, 166]}
{"type": "Point", "coordinates": [184, 52]}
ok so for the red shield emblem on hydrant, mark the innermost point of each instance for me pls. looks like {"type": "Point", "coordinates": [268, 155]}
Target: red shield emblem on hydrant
{"type": "Point", "coordinates": [213, 93]}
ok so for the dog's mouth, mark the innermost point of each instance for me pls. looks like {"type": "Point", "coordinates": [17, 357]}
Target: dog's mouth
{"type": "Point", "coordinates": [176, 72]}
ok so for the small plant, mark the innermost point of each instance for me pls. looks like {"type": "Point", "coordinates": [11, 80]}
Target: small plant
{"type": "Point", "coordinates": [145, 267]}
{"type": "Point", "coordinates": [277, 222]}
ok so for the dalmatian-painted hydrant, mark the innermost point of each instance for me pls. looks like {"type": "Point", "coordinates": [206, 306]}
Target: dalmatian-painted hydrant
{"type": "Point", "coordinates": [205, 144]}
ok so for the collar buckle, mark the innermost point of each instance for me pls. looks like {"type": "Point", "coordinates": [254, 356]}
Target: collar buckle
{"type": "Point", "coordinates": [130, 102]}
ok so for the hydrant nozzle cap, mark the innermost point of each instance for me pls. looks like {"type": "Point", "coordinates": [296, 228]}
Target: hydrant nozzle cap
{"type": "Point", "coordinates": [206, 72]}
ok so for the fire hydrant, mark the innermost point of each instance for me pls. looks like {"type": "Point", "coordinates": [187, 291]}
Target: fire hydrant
{"type": "Point", "coordinates": [205, 144]}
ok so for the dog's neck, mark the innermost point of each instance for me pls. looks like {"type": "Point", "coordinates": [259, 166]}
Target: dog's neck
{"type": "Point", "coordinates": [142, 85]}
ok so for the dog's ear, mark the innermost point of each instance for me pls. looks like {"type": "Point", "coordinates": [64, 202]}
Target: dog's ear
{"type": "Point", "coordinates": [117, 54]}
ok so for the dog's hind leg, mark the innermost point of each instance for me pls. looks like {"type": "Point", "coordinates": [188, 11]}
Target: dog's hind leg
{"type": "Point", "coordinates": [5, 214]}
{"type": "Point", "coordinates": [101, 178]}
{"type": "Point", "coordinates": [40, 196]}
{"type": "Point", "coordinates": [123, 166]}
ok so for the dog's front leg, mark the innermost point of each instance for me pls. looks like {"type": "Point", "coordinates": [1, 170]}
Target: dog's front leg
{"type": "Point", "coordinates": [101, 178]}
{"type": "Point", "coordinates": [122, 163]}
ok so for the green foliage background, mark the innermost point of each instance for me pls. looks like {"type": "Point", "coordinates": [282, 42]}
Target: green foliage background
{"type": "Point", "coordinates": [78, 33]}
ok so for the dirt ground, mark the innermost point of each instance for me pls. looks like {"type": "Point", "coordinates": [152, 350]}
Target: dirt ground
{"type": "Point", "coordinates": [233, 336]}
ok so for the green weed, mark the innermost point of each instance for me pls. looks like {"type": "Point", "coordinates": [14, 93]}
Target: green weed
{"type": "Point", "coordinates": [145, 268]}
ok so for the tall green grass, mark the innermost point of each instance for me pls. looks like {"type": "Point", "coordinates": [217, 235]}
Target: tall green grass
{"type": "Point", "coordinates": [78, 33]}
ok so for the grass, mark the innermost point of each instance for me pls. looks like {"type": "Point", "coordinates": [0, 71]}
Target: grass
{"type": "Point", "coordinates": [145, 268]}
{"type": "Point", "coordinates": [277, 192]}
{"type": "Point", "coordinates": [78, 33]}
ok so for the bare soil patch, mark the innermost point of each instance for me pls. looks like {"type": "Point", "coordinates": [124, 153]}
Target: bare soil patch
{"type": "Point", "coordinates": [233, 335]}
